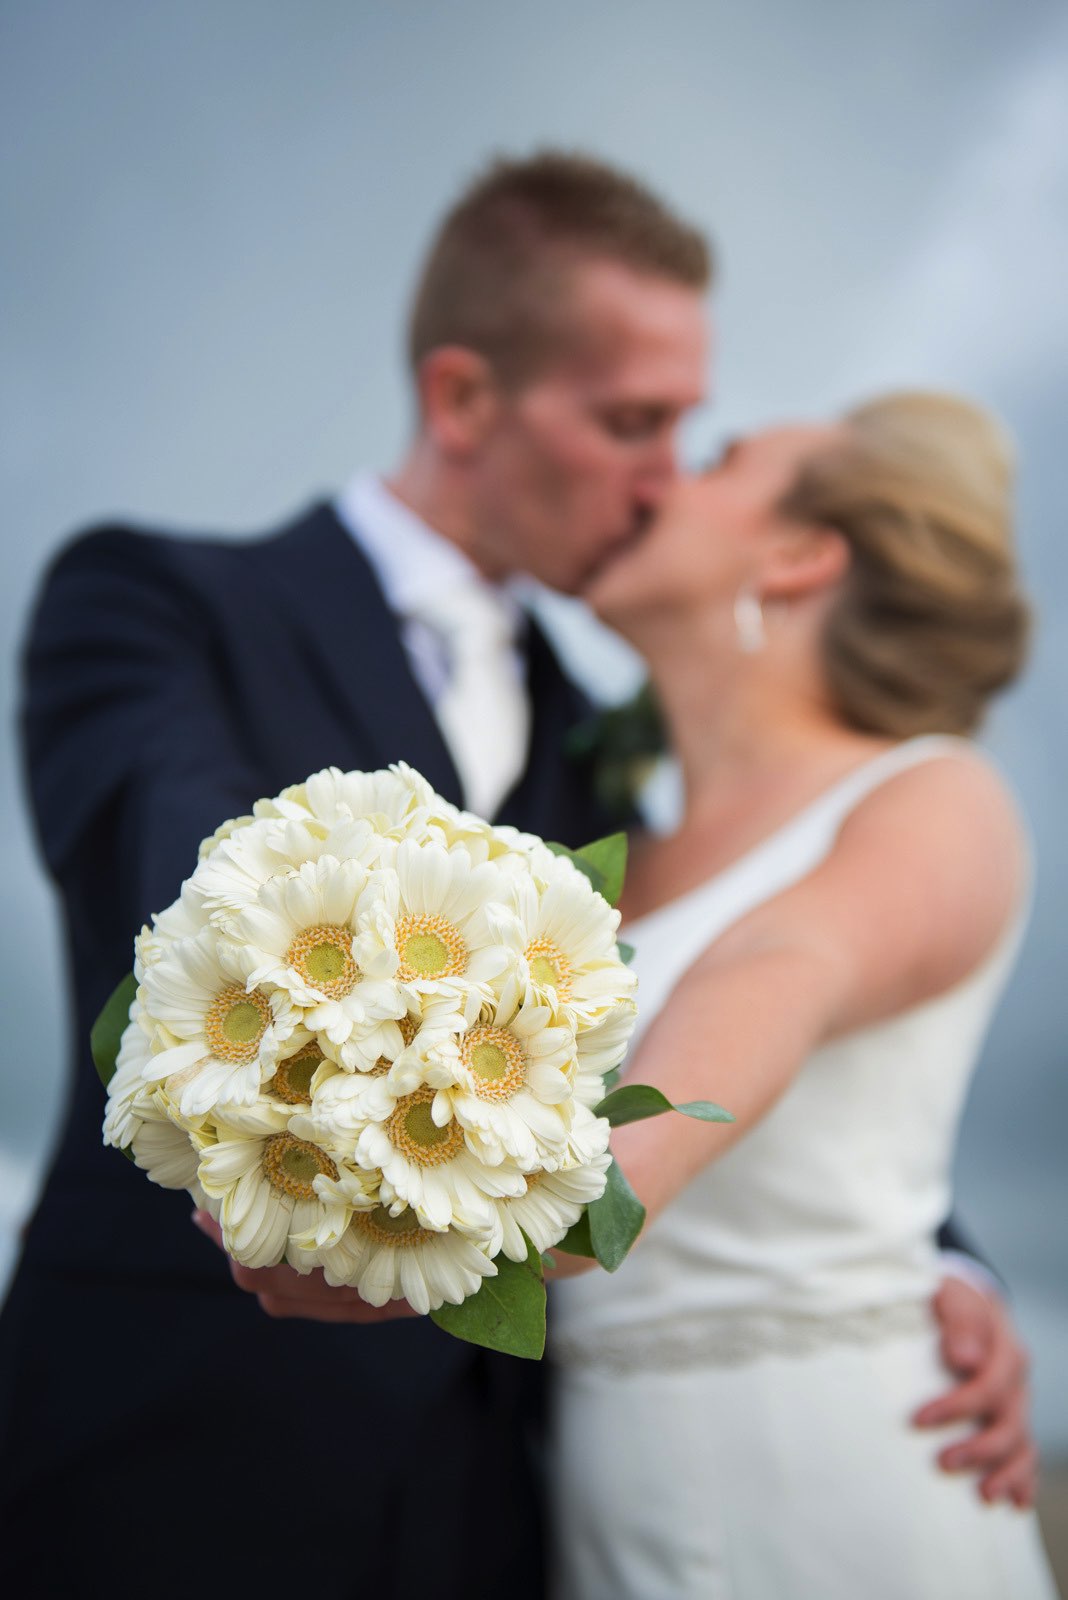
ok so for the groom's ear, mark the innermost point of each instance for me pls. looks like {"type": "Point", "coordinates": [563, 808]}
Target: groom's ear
{"type": "Point", "coordinates": [806, 559]}
{"type": "Point", "coordinates": [458, 398]}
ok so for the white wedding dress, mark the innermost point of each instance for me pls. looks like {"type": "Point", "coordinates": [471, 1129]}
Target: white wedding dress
{"type": "Point", "coordinates": [731, 1408]}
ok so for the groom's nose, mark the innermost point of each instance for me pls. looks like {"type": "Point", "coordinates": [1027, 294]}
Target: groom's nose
{"type": "Point", "coordinates": [659, 469]}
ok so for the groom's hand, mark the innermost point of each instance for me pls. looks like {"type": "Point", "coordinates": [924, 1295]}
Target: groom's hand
{"type": "Point", "coordinates": [980, 1346]}
{"type": "Point", "coordinates": [284, 1292]}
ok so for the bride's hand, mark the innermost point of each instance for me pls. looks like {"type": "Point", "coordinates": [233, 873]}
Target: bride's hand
{"type": "Point", "coordinates": [284, 1292]}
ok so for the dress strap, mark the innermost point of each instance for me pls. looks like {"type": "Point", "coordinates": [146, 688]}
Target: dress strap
{"type": "Point", "coordinates": [843, 797]}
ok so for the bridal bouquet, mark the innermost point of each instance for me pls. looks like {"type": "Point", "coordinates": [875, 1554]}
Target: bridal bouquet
{"type": "Point", "coordinates": [373, 1035]}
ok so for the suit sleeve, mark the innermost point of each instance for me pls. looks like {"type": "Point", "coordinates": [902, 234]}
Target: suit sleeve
{"type": "Point", "coordinates": [132, 746]}
{"type": "Point", "coordinates": [952, 1239]}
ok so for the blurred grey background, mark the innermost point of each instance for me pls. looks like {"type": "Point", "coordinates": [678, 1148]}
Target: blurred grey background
{"type": "Point", "coordinates": [213, 213]}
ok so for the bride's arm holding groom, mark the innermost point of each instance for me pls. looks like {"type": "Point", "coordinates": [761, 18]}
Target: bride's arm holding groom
{"type": "Point", "coordinates": [896, 916]}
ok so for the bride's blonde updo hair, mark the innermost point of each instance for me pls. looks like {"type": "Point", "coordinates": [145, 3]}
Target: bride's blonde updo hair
{"type": "Point", "coordinates": [931, 620]}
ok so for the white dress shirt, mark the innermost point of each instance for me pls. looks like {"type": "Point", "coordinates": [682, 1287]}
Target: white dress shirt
{"type": "Point", "coordinates": [415, 567]}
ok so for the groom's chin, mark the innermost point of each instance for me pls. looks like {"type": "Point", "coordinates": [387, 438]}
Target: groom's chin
{"type": "Point", "coordinates": [598, 576]}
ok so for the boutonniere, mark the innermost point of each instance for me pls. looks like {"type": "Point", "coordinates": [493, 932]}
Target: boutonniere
{"type": "Point", "coordinates": [621, 744]}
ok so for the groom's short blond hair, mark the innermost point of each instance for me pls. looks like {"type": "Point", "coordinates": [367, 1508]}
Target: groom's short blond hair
{"type": "Point", "coordinates": [497, 268]}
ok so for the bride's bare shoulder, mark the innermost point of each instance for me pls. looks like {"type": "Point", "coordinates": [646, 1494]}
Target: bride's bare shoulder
{"type": "Point", "coordinates": [955, 799]}
{"type": "Point", "coordinates": [929, 872]}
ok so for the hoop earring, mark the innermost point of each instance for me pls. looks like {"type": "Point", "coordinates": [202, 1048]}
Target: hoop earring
{"type": "Point", "coordinates": [749, 622]}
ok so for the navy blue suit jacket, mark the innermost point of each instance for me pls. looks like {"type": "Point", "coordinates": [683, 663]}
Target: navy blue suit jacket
{"type": "Point", "coordinates": [169, 683]}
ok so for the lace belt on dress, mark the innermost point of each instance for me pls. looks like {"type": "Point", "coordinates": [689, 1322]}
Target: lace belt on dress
{"type": "Point", "coordinates": [730, 1338]}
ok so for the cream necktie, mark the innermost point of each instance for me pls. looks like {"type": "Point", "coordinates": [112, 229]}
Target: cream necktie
{"type": "Point", "coordinates": [483, 711]}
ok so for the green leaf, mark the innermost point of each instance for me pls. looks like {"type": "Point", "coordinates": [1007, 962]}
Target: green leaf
{"type": "Point", "coordinates": [616, 1220]}
{"type": "Point", "coordinates": [604, 862]}
{"type": "Point", "coordinates": [577, 1241]}
{"type": "Point", "coordinates": [626, 951]}
{"type": "Point", "coordinates": [109, 1027]}
{"type": "Point", "coordinates": [609, 857]}
{"type": "Point", "coordinates": [704, 1111]}
{"type": "Point", "coordinates": [633, 1102]}
{"type": "Point", "coordinates": [506, 1313]}
{"type": "Point", "coordinates": [610, 1079]}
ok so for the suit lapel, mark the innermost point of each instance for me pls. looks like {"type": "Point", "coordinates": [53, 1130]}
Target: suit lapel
{"type": "Point", "coordinates": [348, 642]}
{"type": "Point", "coordinates": [351, 641]}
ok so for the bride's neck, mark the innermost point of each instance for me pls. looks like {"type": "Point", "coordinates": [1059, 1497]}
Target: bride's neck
{"type": "Point", "coordinates": [734, 720]}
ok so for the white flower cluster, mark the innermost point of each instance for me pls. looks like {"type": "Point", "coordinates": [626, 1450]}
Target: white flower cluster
{"type": "Point", "coordinates": [369, 1035]}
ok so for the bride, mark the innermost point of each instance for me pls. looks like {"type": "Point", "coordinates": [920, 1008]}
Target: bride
{"type": "Point", "coordinates": [820, 945]}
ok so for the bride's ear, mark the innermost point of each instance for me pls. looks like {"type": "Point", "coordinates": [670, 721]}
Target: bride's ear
{"type": "Point", "coordinates": [806, 559]}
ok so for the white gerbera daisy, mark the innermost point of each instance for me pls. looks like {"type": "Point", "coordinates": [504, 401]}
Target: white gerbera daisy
{"type": "Point", "coordinates": [130, 1098]}
{"type": "Point", "coordinates": [395, 802]}
{"type": "Point", "coordinates": [389, 1257]}
{"type": "Point", "coordinates": [553, 1200]}
{"type": "Point", "coordinates": [222, 832]}
{"type": "Point", "coordinates": [430, 1167]}
{"type": "Point", "coordinates": [601, 1049]}
{"type": "Point", "coordinates": [231, 876]}
{"type": "Point", "coordinates": [569, 955]}
{"type": "Point", "coordinates": [552, 1203]}
{"type": "Point", "coordinates": [507, 847]}
{"type": "Point", "coordinates": [588, 1138]}
{"type": "Point", "coordinates": [229, 1034]}
{"type": "Point", "coordinates": [182, 920]}
{"type": "Point", "coordinates": [299, 936]}
{"type": "Point", "coordinates": [169, 1154]}
{"type": "Point", "coordinates": [438, 924]}
{"type": "Point", "coordinates": [265, 1188]}
{"type": "Point", "coordinates": [507, 1081]}
{"type": "Point", "coordinates": [451, 825]}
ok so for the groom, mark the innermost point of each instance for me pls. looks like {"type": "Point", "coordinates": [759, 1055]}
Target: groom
{"type": "Point", "coordinates": [155, 1427]}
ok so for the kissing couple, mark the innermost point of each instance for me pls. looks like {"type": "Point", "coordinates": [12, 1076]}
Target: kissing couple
{"type": "Point", "coordinates": [825, 612]}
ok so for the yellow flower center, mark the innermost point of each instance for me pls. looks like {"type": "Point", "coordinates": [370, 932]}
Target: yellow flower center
{"type": "Point", "coordinates": [413, 1131]}
{"type": "Point", "coordinates": [549, 967]}
{"type": "Point", "coordinates": [429, 947]}
{"type": "Point", "coordinates": [323, 958]}
{"type": "Point", "coordinates": [401, 1233]}
{"type": "Point", "coordinates": [495, 1059]}
{"type": "Point", "coordinates": [291, 1165]}
{"type": "Point", "coordinates": [236, 1022]}
{"type": "Point", "coordinates": [292, 1079]}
